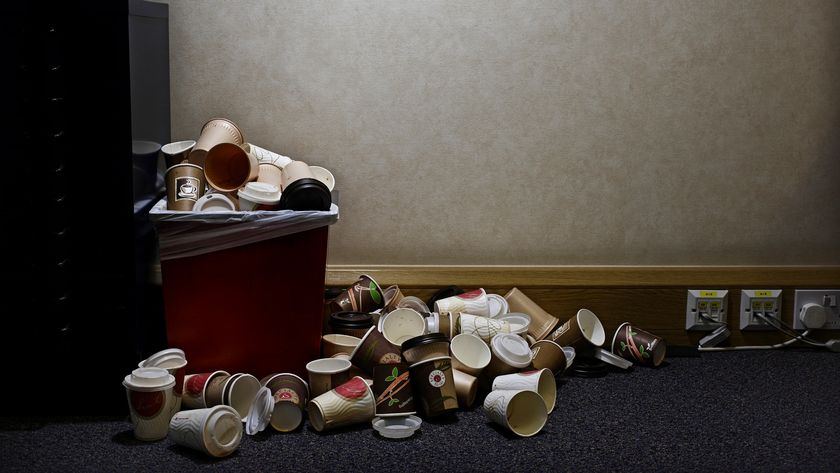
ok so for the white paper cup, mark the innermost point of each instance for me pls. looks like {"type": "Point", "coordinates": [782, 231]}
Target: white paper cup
{"type": "Point", "coordinates": [402, 324]}
{"type": "Point", "coordinates": [151, 402]}
{"type": "Point", "coordinates": [483, 327]}
{"type": "Point", "coordinates": [215, 431]}
{"type": "Point", "coordinates": [350, 403]}
{"type": "Point", "coordinates": [324, 175]}
{"type": "Point", "coordinates": [523, 412]}
{"type": "Point", "coordinates": [240, 393]}
{"type": "Point", "coordinates": [327, 373]}
{"type": "Point", "coordinates": [540, 381]}
{"type": "Point", "coordinates": [195, 388]}
{"type": "Point", "coordinates": [469, 354]}
{"type": "Point", "coordinates": [473, 302]}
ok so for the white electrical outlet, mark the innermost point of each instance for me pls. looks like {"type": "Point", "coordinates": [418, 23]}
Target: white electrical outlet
{"type": "Point", "coordinates": [706, 309]}
{"type": "Point", "coordinates": [820, 307]}
{"type": "Point", "coordinates": [760, 302]}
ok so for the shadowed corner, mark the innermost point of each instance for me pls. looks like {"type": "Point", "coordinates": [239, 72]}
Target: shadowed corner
{"type": "Point", "coordinates": [126, 437]}
{"type": "Point", "coordinates": [200, 457]}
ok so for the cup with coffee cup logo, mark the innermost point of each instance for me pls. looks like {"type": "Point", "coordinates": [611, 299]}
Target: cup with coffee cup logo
{"type": "Point", "coordinates": [375, 349]}
{"type": "Point", "coordinates": [473, 302]}
{"type": "Point", "coordinates": [583, 331]}
{"type": "Point", "coordinates": [151, 402]}
{"type": "Point", "coordinates": [214, 132]}
{"type": "Point", "coordinates": [522, 412]}
{"type": "Point", "coordinates": [185, 184]}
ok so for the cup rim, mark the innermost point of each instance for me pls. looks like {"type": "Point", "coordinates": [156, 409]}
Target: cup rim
{"type": "Point", "coordinates": [429, 360]}
{"type": "Point", "coordinates": [598, 327]}
{"type": "Point", "coordinates": [615, 336]}
{"type": "Point", "coordinates": [362, 340]}
{"type": "Point", "coordinates": [488, 351]}
{"type": "Point", "coordinates": [279, 374]}
{"type": "Point", "coordinates": [241, 135]}
{"type": "Point", "coordinates": [330, 372]}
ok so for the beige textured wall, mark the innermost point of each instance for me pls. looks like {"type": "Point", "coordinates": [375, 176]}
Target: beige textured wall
{"type": "Point", "coordinates": [539, 131]}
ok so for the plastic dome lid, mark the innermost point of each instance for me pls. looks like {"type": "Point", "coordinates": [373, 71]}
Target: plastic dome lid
{"type": "Point", "coordinates": [215, 202]}
{"type": "Point", "coordinates": [260, 192]}
{"type": "Point", "coordinates": [512, 349]}
{"type": "Point", "coordinates": [396, 427]}
{"type": "Point", "coordinates": [149, 379]}
{"type": "Point", "coordinates": [519, 322]}
{"type": "Point", "coordinates": [498, 305]}
{"type": "Point", "coordinates": [260, 412]}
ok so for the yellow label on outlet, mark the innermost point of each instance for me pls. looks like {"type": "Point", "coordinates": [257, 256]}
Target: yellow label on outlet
{"type": "Point", "coordinates": [708, 293]}
{"type": "Point", "coordinates": [763, 293]}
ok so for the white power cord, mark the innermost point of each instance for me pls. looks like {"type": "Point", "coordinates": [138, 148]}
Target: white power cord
{"type": "Point", "coordinates": [757, 347]}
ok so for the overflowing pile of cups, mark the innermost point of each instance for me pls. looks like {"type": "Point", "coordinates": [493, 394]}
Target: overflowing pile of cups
{"type": "Point", "coordinates": [240, 175]}
{"type": "Point", "coordinates": [390, 361]}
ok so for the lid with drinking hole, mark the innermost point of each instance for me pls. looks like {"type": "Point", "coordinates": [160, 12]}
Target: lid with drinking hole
{"type": "Point", "coordinates": [260, 412]}
{"type": "Point", "coordinates": [512, 349]}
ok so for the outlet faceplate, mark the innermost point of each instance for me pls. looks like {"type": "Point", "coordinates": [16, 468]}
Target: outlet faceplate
{"type": "Point", "coordinates": [709, 302]}
{"type": "Point", "coordinates": [767, 302]}
{"type": "Point", "coordinates": [827, 299]}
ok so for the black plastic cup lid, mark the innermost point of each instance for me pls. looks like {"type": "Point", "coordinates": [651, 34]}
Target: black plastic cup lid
{"type": "Point", "coordinates": [306, 194]}
{"type": "Point", "coordinates": [351, 319]}
{"type": "Point", "coordinates": [424, 340]}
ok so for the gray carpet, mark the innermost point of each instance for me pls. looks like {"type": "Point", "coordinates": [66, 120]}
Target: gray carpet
{"type": "Point", "coordinates": [750, 411]}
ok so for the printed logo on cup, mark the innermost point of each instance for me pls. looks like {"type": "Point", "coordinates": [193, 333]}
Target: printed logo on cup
{"type": "Point", "coordinates": [286, 394]}
{"type": "Point", "coordinates": [561, 330]}
{"type": "Point", "coordinates": [390, 359]}
{"type": "Point", "coordinates": [353, 389]}
{"type": "Point", "coordinates": [437, 378]}
{"type": "Point", "coordinates": [147, 404]}
{"type": "Point", "coordinates": [196, 384]}
{"type": "Point", "coordinates": [470, 295]}
{"type": "Point", "coordinates": [187, 188]}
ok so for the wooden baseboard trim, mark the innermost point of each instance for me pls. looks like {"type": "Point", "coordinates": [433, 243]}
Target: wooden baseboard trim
{"type": "Point", "coordinates": [423, 276]}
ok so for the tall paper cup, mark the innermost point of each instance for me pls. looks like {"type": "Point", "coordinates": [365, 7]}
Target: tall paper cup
{"type": "Point", "coordinates": [216, 431]}
{"type": "Point", "coordinates": [215, 131]}
{"type": "Point", "coordinates": [523, 412]}
{"type": "Point", "coordinates": [150, 401]}
{"type": "Point", "coordinates": [542, 323]}
{"type": "Point", "coordinates": [176, 366]}
{"type": "Point", "coordinates": [228, 167]}
{"type": "Point", "coordinates": [582, 331]}
{"type": "Point", "coordinates": [473, 302]}
{"type": "Point", "coordinates": [350, 403]}
{"type": "Point", "coordinates": [185, 184]}
{"type": "Point", "coordinates": [540, 381]}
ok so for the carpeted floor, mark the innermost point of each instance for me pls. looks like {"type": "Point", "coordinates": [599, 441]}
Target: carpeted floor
{"type": "Point", "coordinates": [748, 411]}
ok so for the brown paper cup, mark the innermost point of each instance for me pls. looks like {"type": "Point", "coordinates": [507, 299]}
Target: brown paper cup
{"type": "Point", "coordinates": [550, 355]}
{"type": "Point", "coordinates": [177, 152]}
{"type": "Point", "coordinates": [185, 184]}
{"type": "Point", "coordinates": [364, 295]}
{"type": "Point", "coordinates": [214, 392]}
{"type": "Point", "coordinates": [327, 373]}
{"type": "Point", "coordinates": [393, 296]}
{"type": "Point", "coordinates": [228, 167]}
{"type": "Point", "coordinates": [638, 346]}
{"type": "Point", "coordinates": [291, 394]}
{"type": "Point", "coordinates": [582, 331]}
{"type": "Point", "coordinates": [375, 349]}
{"type": "Point", "coordinates": [434, 384]}
{"type": "Point", "coordinates": [542, 323]}
{"type": "Point", "coordinates": [392, 389]}
{"type": "Point", "coordinates": [215, 131]}
{"type": "Point", "coordinates": [466, 387]}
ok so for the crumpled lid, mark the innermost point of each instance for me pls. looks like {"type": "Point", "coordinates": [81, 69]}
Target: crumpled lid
{"type": "Point", "coordinates": [260, 412]}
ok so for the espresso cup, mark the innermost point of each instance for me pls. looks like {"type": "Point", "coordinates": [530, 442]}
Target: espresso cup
{"type": "Point", "coordinates": [375, 349]}
{"type": "Point", "coordinates": [434, 384]}
{"type": "Point", "coordinates": [469, 354]}
{"type": "Point", "coordinates": [473, 302]}
{"type": "Point", "coordinates": [540, 381]}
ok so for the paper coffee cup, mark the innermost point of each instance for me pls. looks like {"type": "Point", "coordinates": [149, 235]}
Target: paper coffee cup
{"type": "Point", "coordinates": [215, 131]}
{"type": "Point", "coordinates": [434, 384]}
{"type": "Point", "coordinates": [240, 393]}
{"type": "Point", "coordinates": [510, 354]}
{"type": "Point", "coordinates": [335, 343]}
{"type": "Point", "coordinates": [638, 346]}
{"type": "Point", "coordinates": [393, 295]}
{"type": "Point", "coordinates": [364, 295]}
{"type": "Point", "coordinates": [542, 323]}
{"type": "Point", "coordinates": [582, 331]}
{"type": "Point", "coordinates": [415, 303]}
{"type": "Point", "coordinates": [151, 402]}
{"type": "Point", "coordinates": [195, 388]}
{"type": "Point", "coordinates": [482, 327]}
{"type": "Point", "coordinates": [469, 354]}
{"type": "Point", "coordinates": [392, 389]}
{"type": "Point", "coordinates": [473, 302]}
{"type": "Point", "coordinates": [185, 184]}
{"type": "Point", "coordinates": [466, 387]}
{"type": "Point", "coordinates": [540, 381]}
{"type": "Point", "coordinates": [375, 349]}
{"type": "Point", "coordinates": [327, 373]}
{"type": "Point", "coordinates": [228, 167]}
{"type": "Point", "coordinates": [350, 403]}
{"type": "Point", "coordinates": [547, 354]}
{"type": "Point", "coordinates": [270, 174]}
{"type": "Point", "coordinates": [302, 191]}
{"type": "Point", "coordinates": [216, 431]}
{"type": "Point", "coordinates": [523, 412]}
{"type": "Point", "coordinates": [175, 364]}
{"type": "Point", "coordinates": [291, 394]}
{"type": "Point", "coordinates": [177, 152]}
{"type": "Point", "coordinates": [264, 156]}
{"type": "Point", "coordinates": [402, 324]}
{"type": "Point", "coordinates": [324, 175]}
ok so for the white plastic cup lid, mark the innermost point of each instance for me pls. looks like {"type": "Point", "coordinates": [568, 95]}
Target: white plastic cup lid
{"type": "Point", "coordinates": [518, 322]}
{"type": "Point", "coordinates": [498, 305]}
{"type": "Point", "coordinates": [259, 414]}
{"type": "Point", "coordinates": [396, 427]}
{"type": "Point", "coordinates": [149, 379]}
{"type": "Point", "coordinates": [215, 202]}
{"type": "Point", "coordinates": [512, 349]}
{"type": "Point", "coordinates": [260, 192]}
